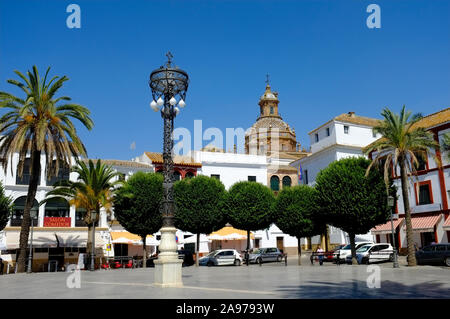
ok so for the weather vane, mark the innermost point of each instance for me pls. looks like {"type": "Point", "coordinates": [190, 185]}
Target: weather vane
{"type": "Point", "coordinates": [169, 58]}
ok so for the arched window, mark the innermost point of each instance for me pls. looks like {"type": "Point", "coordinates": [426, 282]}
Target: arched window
{"type": "Point", "coordinates": [79, 217]}
{"type": "Point", "coordinates": [26, 176]}
{"type": "Point", "coordinates": [287, 181]}
{"type": "Point", "coordinates": [63, 174]}
{"type": "Point", "coordinates": [189, 175]}
{"type": "Point", "coordinates": [275, 183]}
{"type": "Point", "coordinates": [176, 176]}
{"type": "Point", "coordinates": [57, 207]}
{"type": "Point", "coordinates": [19, 206]}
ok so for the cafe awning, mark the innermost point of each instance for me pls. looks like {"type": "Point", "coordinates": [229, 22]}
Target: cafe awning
{"type": "Point", "coordinates": [446, 225]}
{"type": "Point", "coordinates": [124, 237]}
{"type": "Point", "coordinates": [230, 233]}
{"type": "Point", "coordinates": [386, 228]}
{"type": "Point", "coordinates": [53, 239]}
{"type": "Point", "coordinates": [424, 223]}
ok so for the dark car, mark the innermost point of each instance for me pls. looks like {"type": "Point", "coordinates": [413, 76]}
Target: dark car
{"type": "Point", "coordinates": [261, 255]}
{"type": "Point", "coordinates": [434, 254]}
{"type": "Point", "coordinates": [185, 255]}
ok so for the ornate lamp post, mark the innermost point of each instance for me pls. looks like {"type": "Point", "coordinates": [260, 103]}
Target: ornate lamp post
{"type": "Point", "coordinates": [167, 84]}
{"type": "Point", "coordinates": [391, 205]}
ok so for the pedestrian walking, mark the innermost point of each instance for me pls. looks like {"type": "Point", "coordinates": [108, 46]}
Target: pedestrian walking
{"type": "Point", "coordinates": [1, 266]}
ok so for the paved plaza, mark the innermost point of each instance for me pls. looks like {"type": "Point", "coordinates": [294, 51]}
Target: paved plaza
{"type": "Point", "coordinates": [271, 280]}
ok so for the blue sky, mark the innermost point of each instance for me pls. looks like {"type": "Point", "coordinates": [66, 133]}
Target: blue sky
{"type": "Point", "coordinates": [321, 57]}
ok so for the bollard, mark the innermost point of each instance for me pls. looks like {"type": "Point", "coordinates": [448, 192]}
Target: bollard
{"type": "Point", "coordinates": [285, 260]}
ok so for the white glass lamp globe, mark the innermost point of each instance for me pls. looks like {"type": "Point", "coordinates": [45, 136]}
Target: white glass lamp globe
{"type": "Point", "coordinates": [177, 110]}
{"type": "Point", "coordinates": [160, 101]}
{"type": "Point", "coordinates": [173, 101]}
{"type": "Point", "coordinates": [154, 106]}
{"type": "Point", "coordinates": [181, 103]}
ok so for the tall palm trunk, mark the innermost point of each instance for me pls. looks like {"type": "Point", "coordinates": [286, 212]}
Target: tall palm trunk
{"type": "Point", "coordinates": [26, 222]}
{"type": "Point", "coordinates": [409, 234]}
{"type": "Point", "coordinates": [299, 250]}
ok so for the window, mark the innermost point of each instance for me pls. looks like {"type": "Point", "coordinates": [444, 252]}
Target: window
{"type": "Point", "coordinates": [216, 176]}
{"type": "Point", "coordinates": [271, 110]}
{"type": "Point", "coordinates": [423, 193]}
{"type": "Point", "coordinates": [63, 174]}
{"type": "Point", "coordinates": [57, 207]}
{"type": "Point", "coordinates": [275, 183]}
{"type": "Point", "coordinates": [25, 179]}
{"type": "Point", "coordinates": [316, 136]}
{"type": "Point", "coordinates": [305, 173]}
{"type": "Point", "coordinates": [79, 217]}
{"type": "Point", "coordinates": [189, 175]}
{"type": "Point", "coordinates": [374, 134]}
{"type": "Point", "coordinates": [287, 181]}
{"type": "Point", "coordinates": [252, 178]}
{"type": "Point", "coordinates": [422, 161]}
{"type": "Point", "coordinates": [346, 128]}
{"type": "Point", "coordinates": [328, 131]}
{"type": "Point", "coordinates": [19, 207]}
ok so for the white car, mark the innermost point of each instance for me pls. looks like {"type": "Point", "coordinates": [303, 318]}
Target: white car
{"type": "Point", "coordinates": [221, 257]}
{"type": "Point", "coordinates": [374, 253]}
{"type": "Point", "coordinates": [347, 251]}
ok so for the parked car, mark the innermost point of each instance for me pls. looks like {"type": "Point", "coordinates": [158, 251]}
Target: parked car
{"type": "Point", "coordinates": [221, 257]}
{"type": "Point", "coordinates": [187, 256]}
{"type": "Point", "coordinates": [261, 255]}
{"type": "Point", "coordinates": [434, 254]}
{"type": "Point", "coordinates": [371, 253]}
{"type": "Point", "coordinates": [346, 250]}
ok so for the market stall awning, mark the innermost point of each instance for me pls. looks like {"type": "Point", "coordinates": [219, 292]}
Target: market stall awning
{"type": "Point", "coordinates": [53, 239]}
{"type": "Point", "coordinates": [124, 237]}
{"type": "Point", "coordinates": [386, 228]}
{"type": "Point", "coordinates": [230, 233]}
{"type": "Point", "coordinates": [446, 225]}
{"type": "Point", "coordinates": [424, 223]}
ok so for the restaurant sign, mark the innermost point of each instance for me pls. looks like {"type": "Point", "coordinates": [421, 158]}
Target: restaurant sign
{"type": "Point", "coordinates": [56, 221]}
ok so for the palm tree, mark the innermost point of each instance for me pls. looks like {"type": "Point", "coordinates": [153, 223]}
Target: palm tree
{"type": "Point", "coordinates": [446, 144]}
{"type": "Point", "coordinates": [403, 140]}
{"type": "Point", "coordinates": [36, 125]}
{"type": "Point", "coordinates": [93, 190]}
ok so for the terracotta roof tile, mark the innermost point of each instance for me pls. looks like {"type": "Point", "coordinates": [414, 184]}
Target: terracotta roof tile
{"type": "Point", "coordinates": [157, 158]}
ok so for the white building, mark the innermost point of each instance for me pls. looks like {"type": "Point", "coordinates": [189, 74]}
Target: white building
{"type": "Point", "coordinates": [343, 136]}
{"type": "Point", "coordinates": [59, 233]}
{"type": "Point", "coordinates": [429, 193]}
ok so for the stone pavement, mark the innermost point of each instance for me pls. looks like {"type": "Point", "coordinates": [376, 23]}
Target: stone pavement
{"type": "Point", "coordinates": [271, 280]}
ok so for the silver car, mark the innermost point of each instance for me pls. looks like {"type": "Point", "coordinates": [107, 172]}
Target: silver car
{"type": "Point", "coordinates": [261, 255]}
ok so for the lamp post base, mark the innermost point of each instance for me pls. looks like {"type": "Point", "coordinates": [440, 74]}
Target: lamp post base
{"type": "Point", "coordinates": [168, 266]}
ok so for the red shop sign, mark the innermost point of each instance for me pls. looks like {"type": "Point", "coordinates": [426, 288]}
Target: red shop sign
{"type": "Point", "coordinates": [56, 221]}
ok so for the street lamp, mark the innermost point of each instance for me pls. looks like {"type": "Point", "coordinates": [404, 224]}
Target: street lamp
{"type": "Point", "coordinates": [391, 205]}
{"type": "Point", "coordinates": [168, 85]}
{"type": "Point", "coordinates": [33, 215]}
{"type": "Point", "coordinates": [93, 219]}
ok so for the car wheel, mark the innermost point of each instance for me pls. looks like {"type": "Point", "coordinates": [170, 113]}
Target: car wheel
{"type": "Point", "coordinates": [447, 261]}
{"type": "Point", "coordinates": [259, 260]}
{"type": "Point", "coordinates": [279, 258]}
{"type": "Point", "coordinates": [391, 257]}
{"type": "Point", "coordinates": [210, 263]}
{"type": "Point", "coordinates": [237, 262]}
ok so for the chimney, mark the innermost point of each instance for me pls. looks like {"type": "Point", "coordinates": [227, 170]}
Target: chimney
{"type": "Point", "coordinates": [351, 114]}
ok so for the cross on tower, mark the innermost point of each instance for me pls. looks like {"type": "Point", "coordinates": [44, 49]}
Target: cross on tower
{"type": "Point", "coordinates": [169, 58]}
{"type": "Point", "coordinates": [267, 78]}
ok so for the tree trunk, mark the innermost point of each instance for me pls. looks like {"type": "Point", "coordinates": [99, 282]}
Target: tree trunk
{"type": "Point", "coordinates": [26, 222]}
{"type": "Point", "coordinates": [196, 250]}
{"type": "Point", "coordinates": [299, 250]}
{"type": "Point", "coordinates": [89, 240]}
{"type": "Point", "coordinates": [248, 247]}
{"type": "Point", "coordinates": [352, 245]}
{"type": "Point", "coordinates": [144, 257]}
{"type": "Point", "coordinates": [326, 238]}
{"type": "Point", "coordinates": [409, 234]}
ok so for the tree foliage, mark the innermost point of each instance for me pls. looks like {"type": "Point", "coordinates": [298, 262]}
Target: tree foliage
{"type": "Point", "coordinates": [199, 202]}
{"type": "Point", "coordinates": [250, 206]}
{"type": "Point", "coordinates": [137, 203]}
{"type": "Point", "coordinates": [6, 207]}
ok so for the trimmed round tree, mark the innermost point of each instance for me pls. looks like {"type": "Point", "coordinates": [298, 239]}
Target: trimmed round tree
{"type": "Point", "coordinates": [250, 206]}
{"type": "Point", "coordinates": [6, 208]}
{"type": "Point", "coordinates": [199, 206]}
{"type": "Point", "coordinates": [137, 205]}
{"type": "Point", "coordinates": [295, 212]}
{"type": "Point", "coordinates": [349, 200]}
